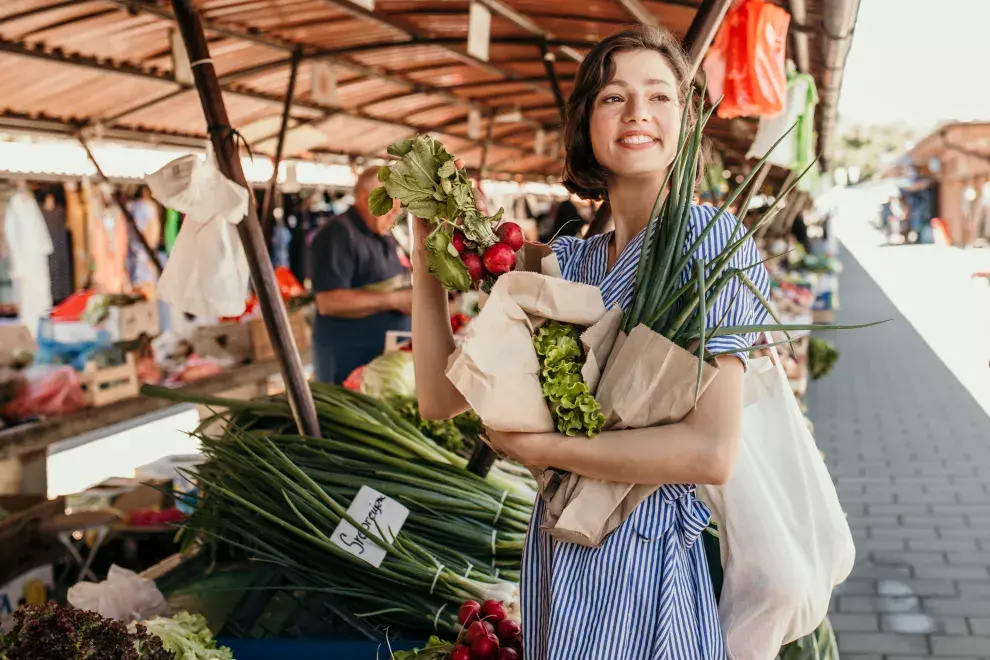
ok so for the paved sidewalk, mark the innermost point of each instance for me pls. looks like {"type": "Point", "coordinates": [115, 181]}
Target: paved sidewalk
{"type": "Point", "coordinates": [909, 449]}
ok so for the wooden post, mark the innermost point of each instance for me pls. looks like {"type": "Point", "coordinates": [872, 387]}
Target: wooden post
{"type": "Point", "coordinates": [260, 264]}
{"type": "Point", "coordinates": [152, 255]}
{"type": "Point", "coordinates": [267, 207]}
{"type": "Point", "coordinates": [702, 31]}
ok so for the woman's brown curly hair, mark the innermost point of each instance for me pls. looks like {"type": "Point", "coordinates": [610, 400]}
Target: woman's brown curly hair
{"type": "Point", "coordinates": [583, 175]}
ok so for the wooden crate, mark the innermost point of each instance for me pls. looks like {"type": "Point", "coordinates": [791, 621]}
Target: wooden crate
{"type": "Point", "coordinates": [22, 546]}
{"type": "Point", "coordinates": [261, 344]}
{"type": "Point", "coordinates": [110, 384]}
{"type": "Point", "coordinates": [129, 322]}
{"type": "Point", "coordinates": [231, 339]}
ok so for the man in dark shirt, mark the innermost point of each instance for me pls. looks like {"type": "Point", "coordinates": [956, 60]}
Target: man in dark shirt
{"type": "Point", "coordinates": [361, 286]}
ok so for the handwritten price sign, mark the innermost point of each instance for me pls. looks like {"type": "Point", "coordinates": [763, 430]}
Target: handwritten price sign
{"type": "Point", "coordinates": [378, 514]}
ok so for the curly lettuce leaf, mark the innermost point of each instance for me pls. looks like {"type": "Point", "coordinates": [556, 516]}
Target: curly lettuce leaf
{"type": "Point", "coordinates": [449, 270]}
{"type": "Point", "coordinates": [573, 408]}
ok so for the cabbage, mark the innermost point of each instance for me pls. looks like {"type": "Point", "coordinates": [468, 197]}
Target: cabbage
{"type": "Point", "coordinates": [390, 376]}
{"type": "Point", "coordinates": [187, 636]}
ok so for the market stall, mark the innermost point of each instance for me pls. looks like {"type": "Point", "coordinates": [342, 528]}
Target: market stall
{"type": "Point", "coordinates": [338, 82]}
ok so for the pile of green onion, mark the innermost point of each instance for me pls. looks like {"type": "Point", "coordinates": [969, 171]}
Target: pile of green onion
{"type": "Point", "coordinates": [279, 496]}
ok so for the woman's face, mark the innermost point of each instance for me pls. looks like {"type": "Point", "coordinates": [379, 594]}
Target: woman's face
{"type": "Point", "coordinates": [636, 118]}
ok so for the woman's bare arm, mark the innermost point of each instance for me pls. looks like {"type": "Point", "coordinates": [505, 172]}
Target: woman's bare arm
{"type": "Point", "coordinates": [433, 339]}
{"type": "Point", "coordinates": [699, 449]}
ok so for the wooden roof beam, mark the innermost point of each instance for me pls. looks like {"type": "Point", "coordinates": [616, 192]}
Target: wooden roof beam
{"type": "Point", "coordinates": [636, 9]}
{"type": "Point", "coordinates": [15, 48]}
{"type": "Point", "coordinates": [334, 56]}
{"type": "Point", "coordinates": [411, 32]}
{"type": "Point", "coordinates": [527, 23]}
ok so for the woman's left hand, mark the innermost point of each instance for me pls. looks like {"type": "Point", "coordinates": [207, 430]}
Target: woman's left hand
{"type": "Point", "coordinates": [526, 448]}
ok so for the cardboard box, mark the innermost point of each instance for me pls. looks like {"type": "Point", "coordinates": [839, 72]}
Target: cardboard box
{"type": "Point", "coordinates": [22, 546]}
{"type": "Point", "coordinates": [223, 340]}
{"type": "Point", "coordinates": [261, 344]}
{"type": "Point", "coordinates": [14, 337]}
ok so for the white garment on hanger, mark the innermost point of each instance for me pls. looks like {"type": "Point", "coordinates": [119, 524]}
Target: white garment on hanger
{"type": "Point", "coordinates": [29, 244]}
{"type": "Point", "coordinates": [771, 128]}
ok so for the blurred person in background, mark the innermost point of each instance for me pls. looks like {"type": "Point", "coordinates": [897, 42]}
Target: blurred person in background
{"type": "Point", "coordinates": [361, 280]}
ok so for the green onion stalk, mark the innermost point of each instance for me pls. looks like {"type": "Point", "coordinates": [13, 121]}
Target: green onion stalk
{"type": "Point", "coordinates": [671, 297]}
{"type": "Point", "coordinates": [278, 497]}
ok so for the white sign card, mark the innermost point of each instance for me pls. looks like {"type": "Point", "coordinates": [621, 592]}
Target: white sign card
{"type": "Point", "coordinates": [377, 513]}
{"type": "Point", "coordinates": [479, 31]}
{"type": "Point", "coordinates": [324, 83]}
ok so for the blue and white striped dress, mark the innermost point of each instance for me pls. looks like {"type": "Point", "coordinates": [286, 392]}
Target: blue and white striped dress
{"type": "Point", "coordinates": [646, 594]}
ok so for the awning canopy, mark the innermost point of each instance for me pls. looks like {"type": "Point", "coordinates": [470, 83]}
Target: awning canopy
{"type": "Point", "coordinates": [394, 68]}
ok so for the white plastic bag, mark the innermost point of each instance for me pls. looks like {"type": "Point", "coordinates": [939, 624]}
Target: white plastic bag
{"type": "Point", "coordinates": [124, 596]}
{"type": "Point", "coordinates": [207, 272]}
{"type": "Point", "coordinates": [784, 539]}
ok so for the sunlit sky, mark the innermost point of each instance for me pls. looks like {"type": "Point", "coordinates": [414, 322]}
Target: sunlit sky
{"type": "Point", "coordinates": [919, 62]}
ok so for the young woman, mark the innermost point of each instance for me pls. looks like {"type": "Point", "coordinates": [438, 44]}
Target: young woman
{"type": "Point", "coordinates": [646, 593]}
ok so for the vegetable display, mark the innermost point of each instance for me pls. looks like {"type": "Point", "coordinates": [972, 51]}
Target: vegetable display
{"type": "Point", "coordinates": [466, 248]}
{"type": "Point", "coordinates": [279, 497]}
{"type": "Point", "coordinates": [188, 636]}
{"type": "Point", "coordinates": [54, 632]}
{"type": "Point", "coordinates": [822, 356]}
{"type": "Point", "coordinates": [573, 408]}
{"type": "Point", "coordinates": [454, 435]}
{"type": "Point", "coordinates": [486, 633]}
{"type": "Point", "coordinates": [389, 375]}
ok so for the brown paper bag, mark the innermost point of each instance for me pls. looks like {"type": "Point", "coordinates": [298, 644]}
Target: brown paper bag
{"type": "Point", "coordinates": [648, 381]}
{"type": "Point", "coordinates": [496, 368]}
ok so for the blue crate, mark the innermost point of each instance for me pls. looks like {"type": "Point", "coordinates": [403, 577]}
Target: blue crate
{"type": "Point", "coordinates": [296, 649]}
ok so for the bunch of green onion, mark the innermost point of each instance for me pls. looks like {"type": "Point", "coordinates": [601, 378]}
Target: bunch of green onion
{"type": "Point", "coordinates": [279, 496]}
{"type": "Point", "coordinates": [661, 302]}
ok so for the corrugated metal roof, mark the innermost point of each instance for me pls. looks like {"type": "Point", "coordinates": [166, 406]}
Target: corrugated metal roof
{"type": "Point", "coordinates": [400, 69]}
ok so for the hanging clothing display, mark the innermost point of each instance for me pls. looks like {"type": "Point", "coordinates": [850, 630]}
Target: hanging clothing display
{"type": "Point", "coordinates": [75, 222]}
{"type": "Point", "coordinates": [107, 241]}
{"type": "Point", "coordinates": [797, 150]}
{"type": "Point", "coordinates": [28, 246]}
{"type": "Point", "coordinates": [145, 213]}
{"type": "Point", "coordinates": [60, 260]}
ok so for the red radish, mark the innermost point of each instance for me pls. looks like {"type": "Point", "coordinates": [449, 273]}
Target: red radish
{"type": "Point", "coordinates": [473, 263]}
{"type": "Point", "coordinates": [508, 631]}
{"type": "Point", "coordinates": [457, 240]}
{"type": "Point", "coordinates": [477, 630]}
{"type": "Point", "coordinates": [469, 612]}
{"type": "Point", "coordinates": [461, 653]}
{"type": "Point", "coordinates": [499, 259]}
{"type": "Point", "coordinates": [493, 610]}
{"type": "Point", "coordinates": [507, 654]}
{"type": "Point", "coordinates": [485, 648]}
{"type": "Point", "coordinates": [511, 234]}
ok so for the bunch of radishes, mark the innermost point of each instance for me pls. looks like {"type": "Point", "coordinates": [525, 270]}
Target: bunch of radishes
{"type": "Point", "coordinates": [487, 633]}
{"type": "Point", "coordinates": [494, 260]}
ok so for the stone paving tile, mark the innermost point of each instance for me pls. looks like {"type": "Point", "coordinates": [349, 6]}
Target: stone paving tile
{"type": "Point", "coordinates": [908, 448]}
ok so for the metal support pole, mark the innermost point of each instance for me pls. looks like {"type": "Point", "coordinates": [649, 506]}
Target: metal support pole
{"type": "Point", "coordinates": [262, 274]}
{"type": "Point", "coordinates": [152, 255]}
{"type": "Point", "coordinates": [267, 207]}
{"type": "Point", "coordinates": [548, 60]}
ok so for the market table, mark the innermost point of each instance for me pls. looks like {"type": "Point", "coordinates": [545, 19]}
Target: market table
{"type": "Point", "coordinates": [28, 443]}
